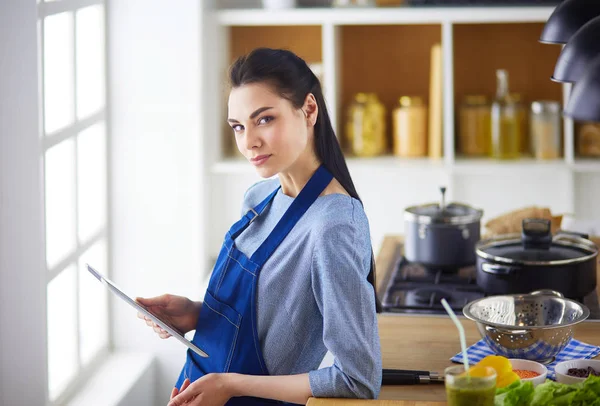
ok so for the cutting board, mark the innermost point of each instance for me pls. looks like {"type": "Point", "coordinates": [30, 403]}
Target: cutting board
{"type": "Point", "coordinates": [355, 402]}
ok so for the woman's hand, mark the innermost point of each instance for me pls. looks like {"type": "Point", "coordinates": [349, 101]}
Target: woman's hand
{"type": "Point", "coordinates": [180, 312]}
{"type": "Point", "coordinates": [176, 391]}
{"type": "Point", "coordinates": [210, 390]}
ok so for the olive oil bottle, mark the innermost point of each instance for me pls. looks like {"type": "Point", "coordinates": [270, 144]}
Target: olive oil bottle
{"type": "Point", "coordinates": [506, 128]}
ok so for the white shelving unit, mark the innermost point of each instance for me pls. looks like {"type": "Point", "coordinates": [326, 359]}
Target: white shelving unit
{"type": "Point", "coordinates": [384, 15]}
{"type": "Point", "coordinates": [389, 184]}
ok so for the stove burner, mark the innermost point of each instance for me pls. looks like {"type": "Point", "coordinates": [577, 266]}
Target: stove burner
{"type": "Point", "coordinates": [411, 272]}
{"type": "Point", "coordinates": [434, 270]}
{"type": "Point", "coordinates": [412, 288]}
{"type": "Point", "coordinates": [428, 297]}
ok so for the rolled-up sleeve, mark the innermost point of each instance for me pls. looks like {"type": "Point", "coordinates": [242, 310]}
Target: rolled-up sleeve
{"type": "Point", "coordinates": [340, 265]}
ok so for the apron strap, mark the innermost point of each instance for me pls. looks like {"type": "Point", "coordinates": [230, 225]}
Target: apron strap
{"type": "Point", "coordinates": [309, 193]}
{"type": "Point", "coordinates": [251, 215]}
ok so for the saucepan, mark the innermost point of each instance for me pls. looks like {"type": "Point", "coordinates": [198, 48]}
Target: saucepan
{"type": "Point", "coordinates": [534, 260]}
{"type": "Point", "coordinates": [441, 236]}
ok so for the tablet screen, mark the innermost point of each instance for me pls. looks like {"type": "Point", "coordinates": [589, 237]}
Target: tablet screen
{"type": "Point", "coordinates": [164, 325]}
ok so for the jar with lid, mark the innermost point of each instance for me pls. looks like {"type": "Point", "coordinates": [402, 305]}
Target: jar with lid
{"type": "Point", "coordinates": [474, 131]}
{"type": "Point", "coordinates": [545, 129]}
{"type": "Point", "coordinates": [365, 126]}
{"type": "Point", "coordinates": [588, 139]}
{"type": "Point", "coordinates": [410, 127]}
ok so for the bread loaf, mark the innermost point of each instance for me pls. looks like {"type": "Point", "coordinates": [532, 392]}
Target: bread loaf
{"type": "Point", "coordinates": [512, 222]}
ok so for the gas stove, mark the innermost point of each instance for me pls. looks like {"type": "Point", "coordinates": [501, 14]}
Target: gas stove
{"type": "Point", "coordinates": [412, 288]}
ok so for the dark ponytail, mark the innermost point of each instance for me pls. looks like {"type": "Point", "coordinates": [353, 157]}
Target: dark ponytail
{"type": "Point", "coordinates": [293, 80]}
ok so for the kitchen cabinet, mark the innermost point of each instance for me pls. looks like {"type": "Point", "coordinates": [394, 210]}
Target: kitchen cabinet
{"type": "Point", "coordinates": [387, 50]}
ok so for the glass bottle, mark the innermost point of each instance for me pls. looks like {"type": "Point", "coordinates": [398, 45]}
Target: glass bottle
{"type": "Point", "coordinates": [506, 139]}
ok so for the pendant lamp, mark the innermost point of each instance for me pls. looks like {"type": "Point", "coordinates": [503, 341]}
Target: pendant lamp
{"type": "Point", "coordinates": [584, 101]}
{"type": "Point", "coordinates": [581, 49]}
{"type": "Point", "coordinates": [568, 17]}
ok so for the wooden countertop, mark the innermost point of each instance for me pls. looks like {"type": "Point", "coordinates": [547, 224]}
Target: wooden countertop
{"type": "Point", "coordinates": [424, 343]}
{"type": "Point", "coordinates": [343, 402]}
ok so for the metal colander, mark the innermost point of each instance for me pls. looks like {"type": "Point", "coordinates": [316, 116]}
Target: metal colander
{"type": "Point", "coordinates": [531, 326]}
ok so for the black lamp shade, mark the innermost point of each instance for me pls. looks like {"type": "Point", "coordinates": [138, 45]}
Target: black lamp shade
{"type": "Point", "coordinates": [584, 101]}
{"type": "Point", "coordinates": [567, 18]}
{"type": "Point", "coordinates": [576, 56]}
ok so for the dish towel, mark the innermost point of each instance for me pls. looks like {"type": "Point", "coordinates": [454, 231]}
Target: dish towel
{"type": "Point", "coordinates": [574, 350]}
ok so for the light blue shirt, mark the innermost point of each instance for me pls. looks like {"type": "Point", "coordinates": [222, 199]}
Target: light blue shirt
{"type": "Point", "coordinates": [313, 294]}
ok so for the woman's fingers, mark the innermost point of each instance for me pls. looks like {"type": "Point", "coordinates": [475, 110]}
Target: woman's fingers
{"type": "Point", "coordinates": [174, 393]}
{"type": "Point", "coordinates": [186, 383]}
{"type": "Point", "coordinates": [157, 329]}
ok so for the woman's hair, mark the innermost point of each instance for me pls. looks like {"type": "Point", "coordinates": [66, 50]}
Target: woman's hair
{"type": "Point", "coordinates": [291, 78]}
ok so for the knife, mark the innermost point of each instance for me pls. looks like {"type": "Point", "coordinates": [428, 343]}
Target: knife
{"type": "Point", "coordinates": [409, 377]}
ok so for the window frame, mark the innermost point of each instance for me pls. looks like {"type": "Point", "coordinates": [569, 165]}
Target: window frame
{"type": "Point", "coordinates": [47, 141]}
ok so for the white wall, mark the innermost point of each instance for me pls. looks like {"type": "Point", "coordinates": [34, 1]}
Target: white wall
{"type": "Point", "coordinates": [157, 169]}
{"type": "Point", "coordinates": [386, 192]}
{"type": "Point", "coordinates": [23, 362]}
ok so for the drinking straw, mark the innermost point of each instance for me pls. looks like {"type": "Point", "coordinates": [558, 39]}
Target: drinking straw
{"type": "Point", "coordinates": [461, 334]}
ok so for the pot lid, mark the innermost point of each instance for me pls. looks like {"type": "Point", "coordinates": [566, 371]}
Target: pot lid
{"type": "Point", "coordinates": [536, 246]}
{"type": "Point", "coordinates": [453, 213]}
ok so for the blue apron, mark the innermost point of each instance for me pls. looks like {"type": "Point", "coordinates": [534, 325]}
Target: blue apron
{"type": "Point", "coordinates": [226, 327]}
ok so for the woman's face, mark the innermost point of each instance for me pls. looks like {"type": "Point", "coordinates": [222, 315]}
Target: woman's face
{"type": "Point", "coordinates": [268, 130]}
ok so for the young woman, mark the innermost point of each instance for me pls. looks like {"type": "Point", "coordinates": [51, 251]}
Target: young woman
{"type": "Point", "coordinates": [306, 235]}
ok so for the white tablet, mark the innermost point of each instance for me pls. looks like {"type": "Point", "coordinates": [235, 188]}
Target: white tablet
{"type": "Point", "coordinates": [171, 330]}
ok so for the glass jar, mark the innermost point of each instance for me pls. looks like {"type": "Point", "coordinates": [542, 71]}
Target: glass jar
{"type": "Point", "coordinates": [588, 140]}
{"type": "Point", "coordinates": [545, 129]}
{"type": "Point", "coordinates": [365, 126]}
{"type": "Point", "coordinates": [474, 131]}
{"type": "Point", "coordinates": [506, 130]}
{"type": "Point", "coordinates": [410, 127]}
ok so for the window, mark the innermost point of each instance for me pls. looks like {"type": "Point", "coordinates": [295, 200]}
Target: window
{"type": "Point", "coordinates": [72, 56]}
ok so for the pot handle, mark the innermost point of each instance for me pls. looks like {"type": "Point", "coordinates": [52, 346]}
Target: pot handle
{"type": "Point", "coordinates": [496, 269]}
{"type": "Point", "coordinates": [572, 234]}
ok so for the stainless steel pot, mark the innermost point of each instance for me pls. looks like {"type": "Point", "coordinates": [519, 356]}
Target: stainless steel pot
{"type": "Point", "coordinates": [537, 260]}
{"type": "Point", "coordinates": [441, 236]}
